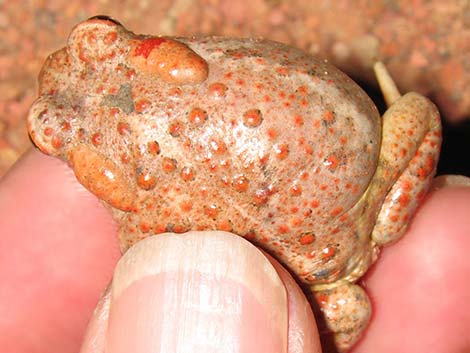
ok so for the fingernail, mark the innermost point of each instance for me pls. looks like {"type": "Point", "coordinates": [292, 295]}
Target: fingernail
{"type": "Point", "coordinates": [196, 292]}
{"type": "Point", "coordinates": [450, 180]}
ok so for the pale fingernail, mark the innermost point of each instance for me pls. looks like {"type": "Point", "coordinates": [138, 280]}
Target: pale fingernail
{"type": "Point", "coordinates": [197, 292]}
{"type": "Point", "coordinates": [450, 180]}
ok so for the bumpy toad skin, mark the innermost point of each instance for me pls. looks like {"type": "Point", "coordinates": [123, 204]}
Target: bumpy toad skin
{"type": "Point", "coordinates": [243, 135]}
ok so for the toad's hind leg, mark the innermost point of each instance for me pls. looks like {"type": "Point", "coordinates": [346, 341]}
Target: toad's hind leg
{"type": "Point", "coordinates": [343, 311]}
{"type": "Point", "coordinates": [409, 153]}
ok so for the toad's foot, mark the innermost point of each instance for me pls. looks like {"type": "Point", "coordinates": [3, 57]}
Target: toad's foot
{"type": "Point", "coordinates": [345, 310]}
{"type": "Point", "coordinates": [408, 158]}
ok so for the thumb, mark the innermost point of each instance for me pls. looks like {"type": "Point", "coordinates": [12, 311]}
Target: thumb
{"type": "Point", "coordinates": [204, 292]}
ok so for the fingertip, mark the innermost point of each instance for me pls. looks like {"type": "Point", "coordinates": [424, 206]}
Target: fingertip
{"type": "Point", "coordinates": [94, 340]}
{"type": "Point", "coordinates": [34, 170]}
{"type": "Point", "coordinates": [58, 247]}
{"type": "Point", "coordinates": [40, 197]}
{"type": "Point", "coordinates": [207, 291]}
{"type": "Point", "coordinates": [156, 301]}
{"type": "Point", "coordinates": [418, 285]}
{"type": "Point", "coordinates": [450, 180]}
{"type": "Point", "coordinates": [303, 330]}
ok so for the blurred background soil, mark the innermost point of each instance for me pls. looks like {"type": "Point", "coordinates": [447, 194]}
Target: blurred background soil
{"type": "Point", "coordinates": [425, 45]}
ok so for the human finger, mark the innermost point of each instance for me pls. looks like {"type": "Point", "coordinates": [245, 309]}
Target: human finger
{"type": "Point", "coordinates": [58, 248]}
{"type": "Point", "coordinates": [419, 286]}
{"type": "Point", "coordinates": [201, 291]}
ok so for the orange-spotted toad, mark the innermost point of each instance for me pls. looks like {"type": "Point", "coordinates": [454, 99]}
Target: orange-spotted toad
{"type": "Point", "coordinates": [243, 135]}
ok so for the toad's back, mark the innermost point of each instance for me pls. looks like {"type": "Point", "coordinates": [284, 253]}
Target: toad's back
{"type": "Point", "coordinates": [249, 136]}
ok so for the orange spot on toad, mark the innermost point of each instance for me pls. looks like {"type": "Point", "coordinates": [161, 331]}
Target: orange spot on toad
{"type": "Point", "coordinates": [57, 142]}
{"type": "Point", "coordinates": [281, 151]}
{"type": "Point", "coordinates": [240, 183]}
{"type": "Point", "coordinates": [145, 179]}
{"type": "Point", "coordinates": [218, 90]}
{"type": "Point", "coordinates": [187, 174]}
{"type": "Point", "coordinates": [97, 139]}
{"type": "Point", "coordinates": [168, 164]}
{"type": "Point", "coordinates": [336, 211]}
{"type": "Point", "coordinates": [153, 148]}
{"type": "Point", "coordinates": [197, 116]}
{"type": "Point", "coordinates": [252, 118]}
{"type": "Point", "coordinates": [307, 239]}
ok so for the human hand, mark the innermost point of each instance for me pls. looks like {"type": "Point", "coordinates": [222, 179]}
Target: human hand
{"type": "Point", "coordinates": [59, 248]}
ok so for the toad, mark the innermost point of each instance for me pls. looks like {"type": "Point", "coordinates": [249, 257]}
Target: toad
{"type": "Point", "coordinates": [248, 136]}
